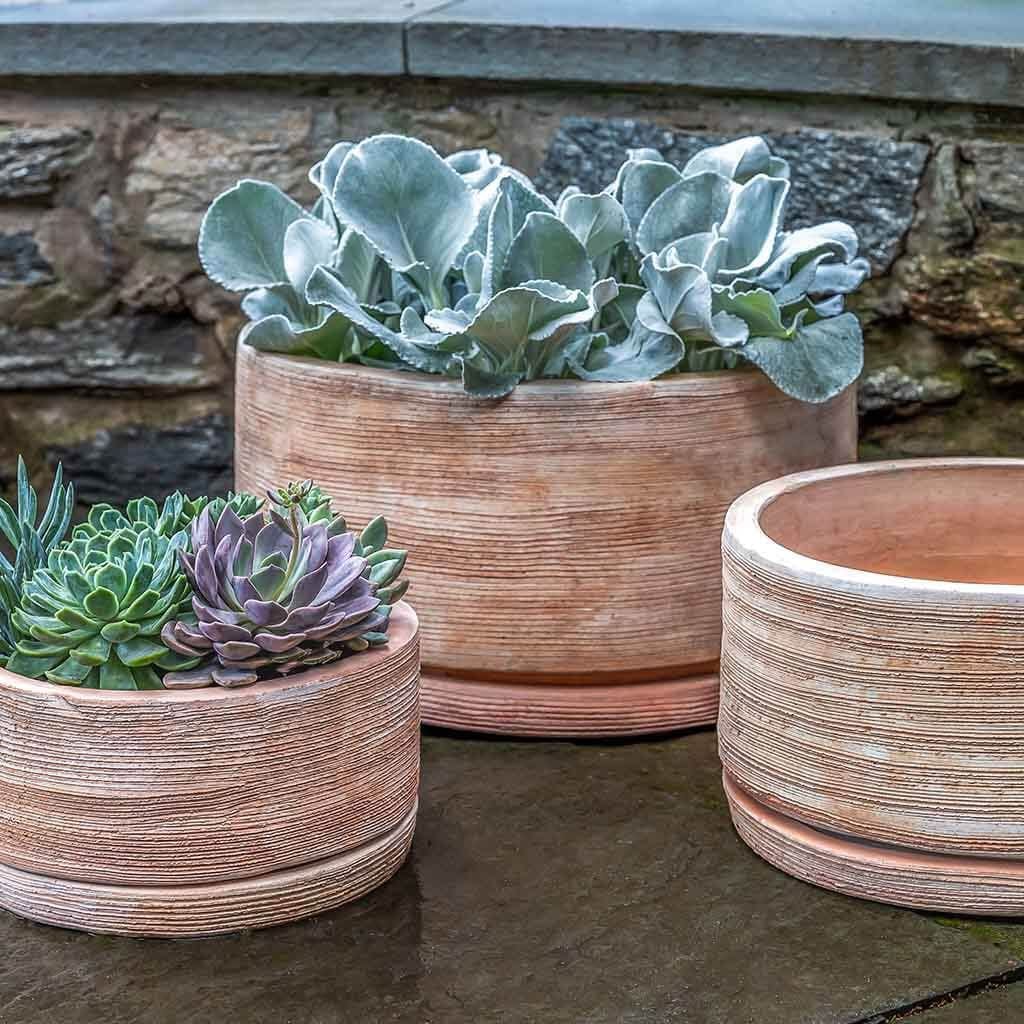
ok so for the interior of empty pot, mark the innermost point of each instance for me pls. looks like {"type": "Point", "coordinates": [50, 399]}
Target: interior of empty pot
{"type": "Point", "coordinates": [959, 523]}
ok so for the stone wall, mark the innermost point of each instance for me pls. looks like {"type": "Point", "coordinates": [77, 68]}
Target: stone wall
{"type": "Point", "coordinates": [116, 353]}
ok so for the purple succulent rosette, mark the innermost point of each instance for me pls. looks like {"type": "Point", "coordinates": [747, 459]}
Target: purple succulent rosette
{"type": "Point", "coordinates": [274, 594]}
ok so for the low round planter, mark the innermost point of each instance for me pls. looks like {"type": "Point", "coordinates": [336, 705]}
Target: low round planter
{"type": "Point", "coordinates": [196, 812]}
{"type": "Point", "coordinates": [566, 538]}
{"type": "Point", "coordinates": [872, 718]}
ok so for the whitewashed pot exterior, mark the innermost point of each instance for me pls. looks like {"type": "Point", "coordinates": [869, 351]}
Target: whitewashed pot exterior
{"type": "Point", "coordinates": [203, 811]}
{"type": "Point", "coordinates": [564, 541]}
{"type": "Point", "coordinates": [873, 679]}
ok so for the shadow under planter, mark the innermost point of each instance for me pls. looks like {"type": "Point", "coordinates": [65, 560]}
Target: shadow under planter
{"type": "Point", "coordinates": [872, 718]}
{"type": "Point", "coordinates": [195, 812]}
{"type": "Point", "coordinates": [566, 538]}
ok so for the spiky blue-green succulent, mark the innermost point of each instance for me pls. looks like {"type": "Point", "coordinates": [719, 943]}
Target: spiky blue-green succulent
{"type": "Point", "coordinates": [30, 543]}
{"type": "Point", "coordinates": [92, 615]}
{"type": "Point", "coordinates": [459, 266]}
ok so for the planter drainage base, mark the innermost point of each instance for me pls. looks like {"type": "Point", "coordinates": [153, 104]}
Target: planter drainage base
{"type": "Point", "coordinates": [886, 874]}
{"type": "Point", "coordinates": [196, 910]}
{"type": "Point", "coordinates": [634, 709]}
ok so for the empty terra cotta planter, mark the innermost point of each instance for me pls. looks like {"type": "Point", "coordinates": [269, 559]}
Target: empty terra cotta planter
{"type": "Point", "coordinates": [194, 812]}
{"type": "Point", "coordinates": [567, 537]}
{"type": "Point", "coordinates": [872, 719]}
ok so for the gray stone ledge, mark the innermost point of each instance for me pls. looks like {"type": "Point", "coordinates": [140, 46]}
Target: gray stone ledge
{"type": "Point", "coordinates": [733, 62]}
{"type": "Point", "coordinates": [205, 37]}
{"type": "Point", "coordinates": [180, 49]}
{"type": "Point", "coordinates": [915, 49]}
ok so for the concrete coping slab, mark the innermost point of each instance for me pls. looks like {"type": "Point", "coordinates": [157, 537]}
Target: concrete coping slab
{"type": "Point", "coordinates": [931, 50]}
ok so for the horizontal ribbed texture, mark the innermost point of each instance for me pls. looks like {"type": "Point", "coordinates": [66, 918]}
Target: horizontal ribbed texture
{"type": "Point", "coordinates": [884, 708]}
{"type": "Point", "coordinates": [928, 881]}
{"type": "Point", "coordinates": [206, 786]}
{"type": "Point", "coordinates": [566, 535]}
{"type": "Point", "coordinates": [194, 910]}
{"type": "Point", "coordinates": [635, 710]}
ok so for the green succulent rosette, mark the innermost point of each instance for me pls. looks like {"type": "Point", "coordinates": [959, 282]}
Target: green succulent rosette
{"type": "Point", "coordinates": [241, 503]}
{"type": "Point", "coordinates": [176, 514]}
{"type": "Point", "coordinates": [92, 616]}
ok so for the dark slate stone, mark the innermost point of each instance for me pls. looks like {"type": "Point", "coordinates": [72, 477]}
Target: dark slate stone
{"type": "Point", "coordinates": [865, 180]}
{"type": "Point", "coordinates": [116, 465]}
{"type": "Point", "coordinates": [21, 262]}
{"type": "Point", "coordinates": [148, 351]}
{"type": "Point", "coordinates": [1001, 1005]}
{"type": "Point", "coordinates": [33, 160]}
{"type": "Point", "coordinates": [889, 393]}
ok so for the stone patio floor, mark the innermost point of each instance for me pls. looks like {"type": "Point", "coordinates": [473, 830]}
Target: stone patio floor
{"type": "Point", "coordinates": [585, 883]}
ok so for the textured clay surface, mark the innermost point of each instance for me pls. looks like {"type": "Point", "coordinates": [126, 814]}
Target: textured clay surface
{"type": "Point", "coordinates": [566, 536]}
{"type": "Point", "coordinates": [207, 810]}
{"type": "Point", "coordinates": [872, 682]}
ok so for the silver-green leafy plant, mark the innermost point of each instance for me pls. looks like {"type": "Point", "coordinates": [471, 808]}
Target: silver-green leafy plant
{"type": "Point", "coordinates": [30, 543]}
{"type": "Point", "coordinates": [459, 266]}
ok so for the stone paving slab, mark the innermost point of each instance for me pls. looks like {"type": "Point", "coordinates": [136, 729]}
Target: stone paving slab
{"type": "Point", "coordinates": [70, 12]}
{"type": "Point", "coordinates": [992, 22]}
{"type": "Point", "coordinates": [1001, 1006]}
{"type": "Point", "coordinates": [551, 883]}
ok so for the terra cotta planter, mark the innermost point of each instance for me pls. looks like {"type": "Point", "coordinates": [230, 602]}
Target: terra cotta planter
{"type": "Point", "coordinates": [872, 718]}
{"type": "Point", "coordinates": [203, 811]}
{"type": "Point", "coordinates": [566, 538]}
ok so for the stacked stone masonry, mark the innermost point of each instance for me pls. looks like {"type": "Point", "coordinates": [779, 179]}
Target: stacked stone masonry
{"type": "Point", "coordinates": [116, 352]}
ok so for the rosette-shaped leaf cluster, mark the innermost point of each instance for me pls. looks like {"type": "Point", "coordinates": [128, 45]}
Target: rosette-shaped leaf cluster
{"type": "Point", "coordinates": [241, 503]}
{"type": "Point", "coordinates": [93, 615]}
{"type": "Point", "coordinates": [176, 514]}
{"type": "Point", "coordinates": [276, 593]}
{"type": "Point", "coordinates": [30, 543]}
{"type": "Point", "coordinates": [459, 266]}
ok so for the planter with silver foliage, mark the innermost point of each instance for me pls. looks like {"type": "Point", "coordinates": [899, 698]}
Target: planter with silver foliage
{"type": "Point", "coordinates": [571, 390]}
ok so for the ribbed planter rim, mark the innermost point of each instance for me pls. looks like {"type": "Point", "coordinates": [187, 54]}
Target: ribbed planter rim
{"type": "Point", "coordinates": [702, 382]}
{"type": "Point", "coordinates": [279, 686]}
{"type": "Point", "coordinates": [743, 522]}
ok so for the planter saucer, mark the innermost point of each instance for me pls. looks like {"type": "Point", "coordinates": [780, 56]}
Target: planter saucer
{"type": "Point", "coordinates": [163, 911]}
{"type": "Point", "coordinates": [629, 709]}
{"type": "Point", "coordinates": [885, 874]}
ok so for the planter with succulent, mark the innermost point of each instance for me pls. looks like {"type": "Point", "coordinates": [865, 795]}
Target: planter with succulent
{"type": "Point", "coordinates": [268, 771]}
{"type": "Point", "coordinates": [575, 390]}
